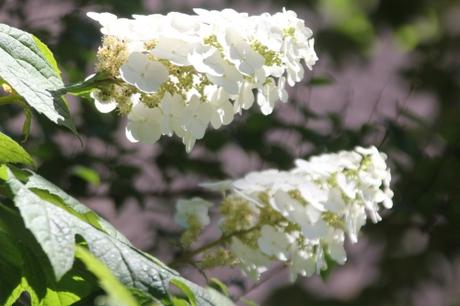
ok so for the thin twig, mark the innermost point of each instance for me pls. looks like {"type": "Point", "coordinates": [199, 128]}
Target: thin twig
{"type": "Point", "coordinates": [188, 256]}
{"type": "Point", "coordinates": [9, 99]}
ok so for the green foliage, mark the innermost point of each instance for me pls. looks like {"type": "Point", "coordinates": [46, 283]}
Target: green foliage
{"type": "Point", "coordinates": [30, 69]}
{"type": "Point", "coordinates": [218, 298]}
{"type": "Point", "coordinates": [12, 152]}
{"type": "Point", "coordinates": [249, 302]}
{"type": "Point", "coordinates": [28, 270]}
{"type": "Point", "coordinates": [47, 54]}
{"type": "Point", "coordinates": [219, 286]}
{"type": "Point", "coordinates": [349, 18]}
{"type": "Point", "coordinates": [118, 294]}
{"type": "Point", "coordinates": [53, 227]}
{"type": "Point", "coordinates": [47, 191]}
{"type": "Point", "coordinates": [321, 80]}
{"type": "Point", "coordinates": [87, 174]}
{"type": "Point", "coordinates": [185, 290]}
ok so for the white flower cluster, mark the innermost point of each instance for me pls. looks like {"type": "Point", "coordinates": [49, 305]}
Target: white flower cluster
{"type": "Point", "coordinates": [193, 211]}
{"type": "Point", "coordinates": [192, 216]}
{"type": "Point", "coordinates": [178, 73]}
{"type": "Point", "coordinates": [301, 217]}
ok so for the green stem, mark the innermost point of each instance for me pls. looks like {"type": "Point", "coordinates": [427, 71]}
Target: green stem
{"type": "Point", "coordinates": [86, 85]}
{"type": "Point", "coordinates": [10, 99]}
{"type": "Point", "coordinates": [188, 256]}
{"type": "Point", "coordinates": [79, 87]}
{"type": "Point", "coordinates": [17, 99]}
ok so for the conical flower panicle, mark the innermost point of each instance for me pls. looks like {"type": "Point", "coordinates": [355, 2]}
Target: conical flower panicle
{"type": "Point", "coordinates": [302, 217]}
{"type": "Point", "coordinates": [178, 73]}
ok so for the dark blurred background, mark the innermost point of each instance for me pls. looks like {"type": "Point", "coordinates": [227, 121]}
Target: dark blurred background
{"type": "Point", "coordinates": [388, 75]}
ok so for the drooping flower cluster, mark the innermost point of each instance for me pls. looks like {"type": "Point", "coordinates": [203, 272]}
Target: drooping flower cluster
{"type": "Point", "coordinates": [178, 73]}
{"type": "Point", "coordinates": [302, 217]}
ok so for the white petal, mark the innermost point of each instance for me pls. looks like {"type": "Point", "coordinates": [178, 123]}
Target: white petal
{"type": "Point", "coordinates": [240, 53]}
{"type": "Point", "coordinates": [173, 49]}
{"type": "Point", "coordinates": [105, 107]}
{"type": "Point", "coordinates": [282, 93]}
{"type": "Point", "coordinates": [143, 73]}
{"type": "Point", "coordinates": [196, 129]}
{"type": "Point", "coordinates": [189, 142]}
{"type": "Point", "coordinates": [101, 105]}
{"type": "Point", "coordinates": [103, 18]}
{"type": "Point", "coordinates": [207, 60]}
{"type": "Point", "coordinates": [337, 252]}
{"type": "Point", "coordinates": [316, 230]}
{"type": "Point", "coordinates": [245, 98]}
{"type": "Point", "coordinates": [130, 136]}
{"type": "Point", "coordinates": [267, 97]}
{"type": "Point", "coordinates": [229, 80]}
{"type": "Point", "coordinates": [144, 132]}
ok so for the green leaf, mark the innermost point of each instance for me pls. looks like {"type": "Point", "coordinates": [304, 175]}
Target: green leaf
{"type": "Point", "coordinates": [55, 229]}
{"type": "Point", "coordinates": [12, 152]}
{"type": "Point", "coordinates": [58, 298]}
{"type": "Point", "coordinates": [3, 172]}
{"type": "Point", "coordinates": [26, 66]}
{"type": "Point", "coordinates": [321, 80]}
{"type": "Point", "coordinates": [27, 121]}
{"type": "Point", "coordinates": [175, 301]}
{"type": "Point", "coordinates": [143, 298]}
{"type": "Point", "coordinates": [23, 287]}
{"type": "Point", "coordinates": [218, 298]}
{"type": "Point", "coordinates": [248, 302]}
{"type": "Point", "coordinates": [53, 194]}
{"type": "Point", "coordinates": [10, 263]}
{"type": "Point", "coordinates": [87, 174]}
{"type": "Point", "coordinates": [330, 264]}
{"type": "Point", "coordinates": [25, 268]}
{"type": "Point", "coordinates": [115, 290]}
{"type": "Point", "coordinates": [219, 286]}
{"type": "Point", "coordinates": [46, 52]}
{"type": "Point", "coordinates": [185, 290]}
{"type": "Point", "coordinates": [44, 291]}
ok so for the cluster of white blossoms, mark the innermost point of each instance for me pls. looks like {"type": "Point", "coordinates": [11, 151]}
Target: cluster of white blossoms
{"type": "Point", "coordinates": [178, 73]}
{"type": "Point", "coordinates": [302, 217]}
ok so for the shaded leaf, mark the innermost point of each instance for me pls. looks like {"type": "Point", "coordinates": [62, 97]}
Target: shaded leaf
{"type": "Point", "coordinates": [248, 302]}
{"type": "Point", "coordinates": [55, 229]}
{"type": "Point", "coordinates": [115, 290]}
{"type": "Point", "coordinates": [87, 174]}
{"type": "Point", "coordinates": [185, 290]}
{"type": "Point", "coordinates": [219, 286]}
{"type": "Point", "coordinates": [321, 80]}
{"type": "Point", "coordinates": [26, 269]}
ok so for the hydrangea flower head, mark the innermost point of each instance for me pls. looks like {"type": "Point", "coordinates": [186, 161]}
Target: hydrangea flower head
{"type": "Point", "coordinates": [303, 216]}
{"type": "Point", "coordinates": [210, 63]}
